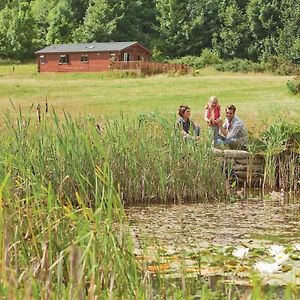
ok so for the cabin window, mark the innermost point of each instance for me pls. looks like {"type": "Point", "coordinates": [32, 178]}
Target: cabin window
{"type": "Point", "coordinates": [84, 58]}
{"type": "Point", "coordinates": [113, 57]}
{"type": "Point", "coordinates": [126, 57]}
{"type": "Point", "coordinates": [64, 59]}
{"type": "Point", "coordinates": [42, 59]}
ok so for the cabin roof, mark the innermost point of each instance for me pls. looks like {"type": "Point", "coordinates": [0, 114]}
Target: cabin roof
{"type": "Point", "coordinates": [88, 47]}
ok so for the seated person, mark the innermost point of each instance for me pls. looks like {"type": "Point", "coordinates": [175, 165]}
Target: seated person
{"type": "Point", "coordinates": [233, 130]}
{"type": "Point", "coordinates": [185, 124]}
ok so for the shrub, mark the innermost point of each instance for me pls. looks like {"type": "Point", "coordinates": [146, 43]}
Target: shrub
{"type": "Point", "coordinates": [239, 65]}
{"type": "Point", "coordinates": [294, 85]}
{"type": "Point", "coordinates": [207, 58]}
{"type": "Point", "coordinates": [191, 61]}
{"type": "Point", "coordinates": [280, 66]}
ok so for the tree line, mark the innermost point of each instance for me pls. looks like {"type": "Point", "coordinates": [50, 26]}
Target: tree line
{"type": "Point", "coordinates": [247, 29]}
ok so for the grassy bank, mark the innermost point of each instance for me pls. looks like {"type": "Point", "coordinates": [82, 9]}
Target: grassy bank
{"type": "Point", "coordinates": [259, 97]}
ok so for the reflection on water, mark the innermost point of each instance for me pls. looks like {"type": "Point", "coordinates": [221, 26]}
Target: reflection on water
{"type": "Point", "coordinates": [196, 226]}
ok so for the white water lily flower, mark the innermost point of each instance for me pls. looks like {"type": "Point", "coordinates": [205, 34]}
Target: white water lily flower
{"type": "Point", "coordinates": [281, 258]}
{"type": "Point", "coordinates": [240, 252]}
{"type": "Point", "coordinates": [267, 268]}
{"type": "Point", "coordinates": [275, 250]}
{"type": "Point", "coordinates": [297, 246]}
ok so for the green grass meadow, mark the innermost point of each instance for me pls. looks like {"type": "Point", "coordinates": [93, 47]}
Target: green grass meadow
{"type": "Point", "coordinates": [259, 97]}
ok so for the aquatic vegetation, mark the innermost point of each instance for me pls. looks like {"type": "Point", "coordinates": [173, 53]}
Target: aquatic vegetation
{"type": "Point", "coordinates": [63, 185]}
{"type": "Point", "coordinates": [281, 149]}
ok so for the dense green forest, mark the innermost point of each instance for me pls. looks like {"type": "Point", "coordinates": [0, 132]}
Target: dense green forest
{"type": "Point", "coordinates": [251, 29]}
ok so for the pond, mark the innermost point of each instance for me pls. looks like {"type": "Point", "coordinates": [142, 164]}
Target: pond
{"type": "Point", "coordinates": [242, 238]}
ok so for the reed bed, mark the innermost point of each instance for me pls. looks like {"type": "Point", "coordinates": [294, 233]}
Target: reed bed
{"type": "Point", "coordinates": [281, 149]}
{"type": "Point", "coordinates": [147, 157]}
{"type": "Point", "coordinates": [63, 184]}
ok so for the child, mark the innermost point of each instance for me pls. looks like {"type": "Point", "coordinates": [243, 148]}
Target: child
{"type": "Point", "coordinates": [212, 116]}
{"type": "Point", "coordinates": [185, 124]}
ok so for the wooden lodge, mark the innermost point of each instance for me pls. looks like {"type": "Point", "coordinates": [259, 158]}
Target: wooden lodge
{"type": "Point", "coordinates": [100, 57]}
{"type": "Point", "coordinates": [91, 57]}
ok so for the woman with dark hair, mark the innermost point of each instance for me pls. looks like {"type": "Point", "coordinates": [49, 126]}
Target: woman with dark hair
{"type": "Point", "coordinates": [187, 127]}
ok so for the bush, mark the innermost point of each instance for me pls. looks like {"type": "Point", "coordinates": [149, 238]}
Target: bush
{"type": "Point", "coordinates": [280, 66]}
{"type": "Point", "coordinates": [239, 65]}
{"type": "Point", "coordinates": [191, 61]}
{"type": "Point", "coordinates": [273, 64]}
{"type": "Point", "coordinates": [294, 85]}
{"type": "Point", "coordinates": [207, 58]}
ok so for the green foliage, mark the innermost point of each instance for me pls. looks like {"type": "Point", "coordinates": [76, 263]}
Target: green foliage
{"type": "Point", "coordinates": [148, 157]}
{"type": "Point", "coordinates": [17, 31]}
{"type": "Point", "coordinates": [239, 65]}
{"type": "Point", "coordinates": [61, 23]}
{"type": "Point", "coordinates": [109, 20]}
{"type": "Point", "coordinates": [232, 40]}
{"type": "Point", "coordinates": [174, 26]}
{"type": "Point", "coordinates": [245, 29]}
{"type": "Point", "coordinates": [294, 85]}
{"type": "Point", "coordinates": [207, 58]}
{"type": "Point", "coordinates": [282, 155]}
{"type": "Point", "coordinates": [279, 65]}
{"type": "Point", "coordinates": [288, 43]}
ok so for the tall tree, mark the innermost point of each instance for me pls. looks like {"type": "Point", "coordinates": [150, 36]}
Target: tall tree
{"type": "Point", "coordinates": [205, 22]}
{"type": "Point", "coordinates": [289, 33]}
{"type": "Point", "coordinates": [40, 11]}
{"type": "Point", "coordinates": [6, 16]}
{"type": "Point", "coordinates": [264, 19]}
{"type": "Point", "coordinates": [146, 22]}
{"type": "Point", "coordinates": [61, 23]}
{"type": "Point", "coordinates": [109, 20]}
{"type": "Point", "coordinates": [17, 31]}
{"type": "Point", "coordinates": [233, 38]}
{"type": "Point", "coordinates": [174, 26]}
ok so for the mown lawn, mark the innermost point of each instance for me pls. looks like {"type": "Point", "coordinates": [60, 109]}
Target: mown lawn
{"type": "Point", "coordinates": [259, 97]}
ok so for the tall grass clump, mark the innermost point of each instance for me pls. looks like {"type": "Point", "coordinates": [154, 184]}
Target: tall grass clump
{"type": "Point", "coordinates": [148, 157]}
{"type": "Point", "coordinates": [282, 155]}
{"type": "Point", "coordinates": [52, 248]}
{"type": "Point", "coordinates": [152, 162]}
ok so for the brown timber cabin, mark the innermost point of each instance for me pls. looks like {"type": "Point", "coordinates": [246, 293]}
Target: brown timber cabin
{"type": "Point", "coordinates": [91, 57]}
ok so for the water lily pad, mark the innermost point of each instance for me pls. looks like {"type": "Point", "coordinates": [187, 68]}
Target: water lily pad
{"type": "Point", "coordinates": [295, 257]}
{"type": "Point", "coordinates": [231, 262]}
{"type": "Point", "coordinates": [286, 268]}
{"type": "Point", "coordinates": [158, 268]}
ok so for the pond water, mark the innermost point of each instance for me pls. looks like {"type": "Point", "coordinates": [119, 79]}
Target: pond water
{"type": "Point", "coordinates": [194, 226]}
{"type": "Point", "coordinates": [162, 233]}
